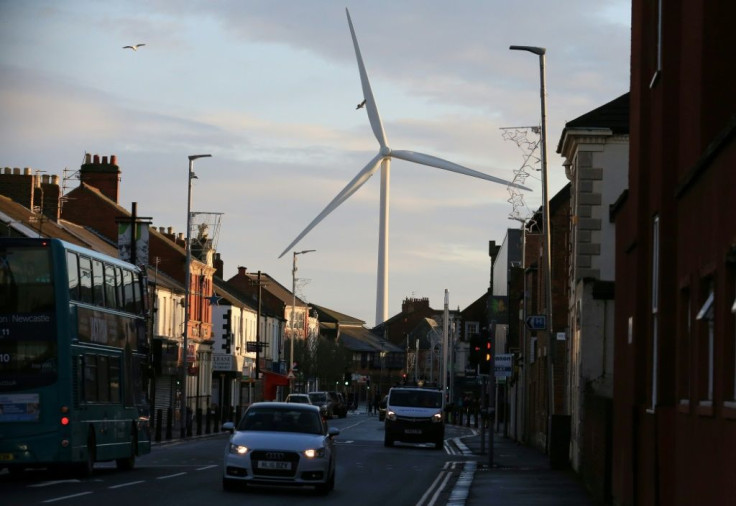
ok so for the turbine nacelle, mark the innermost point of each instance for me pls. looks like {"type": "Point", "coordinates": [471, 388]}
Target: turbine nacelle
{"type": "Point", "coordinates": [383, 159]}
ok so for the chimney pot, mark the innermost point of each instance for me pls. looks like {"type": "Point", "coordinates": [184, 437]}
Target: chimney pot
{"type": "Point", "coordinates": [104, 160]}
{"type": "Point", "coordinates": [113, 159]}
{"type": "Point", "coordinates": [87, 158]}
{"type": "Point", "coordinates": [241, 270]}
{"type": "Point", "coordinates": [96, 159]}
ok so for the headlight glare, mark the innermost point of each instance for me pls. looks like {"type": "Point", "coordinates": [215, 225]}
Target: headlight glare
{"type": "Point", "coordinates": [390, 415]}
{"type": "Point", "coordinates": [437, 417]}
{"type": "Point", "coordinates": [238, 449]}
{"type": "Point", "coordinates": [314, 453]}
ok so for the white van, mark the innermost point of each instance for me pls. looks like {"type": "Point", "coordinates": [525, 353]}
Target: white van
{"type": "Point", "coordinates": [414, 415]}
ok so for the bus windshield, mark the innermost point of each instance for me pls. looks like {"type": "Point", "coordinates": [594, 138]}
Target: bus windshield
{"type": "Point", "coordinates": [28, 339]}
{"type": "Point", "coordinates": [25, 280]}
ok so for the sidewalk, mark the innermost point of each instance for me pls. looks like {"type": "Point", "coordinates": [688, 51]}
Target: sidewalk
{"type": "Point", "coordinates": [520, 475]}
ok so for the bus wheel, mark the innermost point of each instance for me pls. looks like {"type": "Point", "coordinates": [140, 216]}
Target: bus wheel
{"type": "Point", "coordinates": [86, 468]}
{"type": "Point", "coordinates": [128, 463]}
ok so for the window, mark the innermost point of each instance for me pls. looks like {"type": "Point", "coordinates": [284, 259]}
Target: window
{"type": "Point", "coordinates": [109, 286]}
{"type": "Point", "coordinates": [128, 289]}
{"type": "Point", "coordinates": [97, 285]}
{"type": "Point", "coordinates": [85, 279]}
{"type": "Point", "coordinates": [655, 310]}
{"type": "Point", "coordinates": [706, 346]}
{"type": "Point", "coordinates": [471, 328]}
{"type": "Point", "coordinates": [72, 269]}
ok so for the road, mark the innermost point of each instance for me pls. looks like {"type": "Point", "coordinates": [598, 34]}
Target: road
{"type": "Point", "coordinates": [189, 472]}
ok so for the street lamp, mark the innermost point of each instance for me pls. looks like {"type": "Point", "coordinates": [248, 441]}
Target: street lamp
{"type": "Point", "coordinates": [540, 51]}
{"type": "Point", "coordinates": [185, 344]}
{"type": "Point", "coordinates": [293, 309]}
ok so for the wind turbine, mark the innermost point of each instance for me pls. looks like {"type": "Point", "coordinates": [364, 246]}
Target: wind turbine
{"type": "Point", "coordinates": [383, 158]}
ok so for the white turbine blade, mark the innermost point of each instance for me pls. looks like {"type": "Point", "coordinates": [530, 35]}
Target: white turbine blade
{"type": "Point", "coordinates": [370, 103]}
{"type": "Point", "coordinates": [353, 186]}
{"type": "Point", "coordinates": [433, 161]}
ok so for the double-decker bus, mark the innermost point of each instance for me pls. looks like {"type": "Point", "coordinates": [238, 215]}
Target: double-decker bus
{"type": "Point", "coordinates": [73, 355]}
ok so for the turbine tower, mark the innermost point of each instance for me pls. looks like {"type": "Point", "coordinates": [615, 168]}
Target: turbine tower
{"type": "Point", "coordinates": [383, 158]}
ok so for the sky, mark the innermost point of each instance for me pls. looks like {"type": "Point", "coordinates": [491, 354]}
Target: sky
{"type": "Point", "coordinates": [270, 88]}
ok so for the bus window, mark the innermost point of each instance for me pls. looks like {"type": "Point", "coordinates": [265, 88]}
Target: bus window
{"type": "Point", "coordinates": [128, 288]}
{"type": "Point", "coordinates": [103, 383]}
{"type": "Point", "coordinates": [72, 268]}
{"type": "Point", "coordinates": [85, 279]}
{"type": "Point", "coordinates": [110, 295]}
{"type": "Point", "coordinates": [113, 376]}
{"type": "Point", "coordinates": [90, 378]}
{"type": "Point", "coordinates": [98, 295]}
{"type": "Point", "coordinates": [119, 288]}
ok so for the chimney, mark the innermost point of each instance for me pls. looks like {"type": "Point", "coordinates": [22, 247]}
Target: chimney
{"type": "Point", "coordinates": [102, 175]}
{"type": "Point", "coordinates": [241, 271]}
{"type": "Point", "coordinates": [219, 266]}
{"type": "Point", "coordinates": [48, 197]}
{"type": "Point", "coordinates": [18, 186]}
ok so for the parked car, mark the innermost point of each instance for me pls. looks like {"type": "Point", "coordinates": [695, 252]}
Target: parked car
{"type": "Point", "coordinates": [323, 400]}
{"type": "Point", "coordinates": [414, 415]}
{"type": "Point", "coordinates": [339, 407]}
{"type": "Point", "coordinates": [300, 398]}
{"type": "Point", "coordinates": [382, 408]}
{"type": "Point", "coordinates": [277, 443]}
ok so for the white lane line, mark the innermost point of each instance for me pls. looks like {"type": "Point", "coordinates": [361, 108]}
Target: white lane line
{"type": "Point", "coordinates": [170, 476]}
{"type": "Point", "coordinates": [439, 477]}
{"type": "Point", "coordinates": [127, 484]}
{"type": "Point", "coordinates": [64, 498]}
{"type": "Point", "coordinates": [206, 467]}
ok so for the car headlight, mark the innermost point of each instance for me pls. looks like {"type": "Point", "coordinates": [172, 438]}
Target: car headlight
{"type": "Point", "coordinates": [437, 417]}
{"type": "Point", "coordinates": [238, 449]}
{"type": "Point", "coordinates": [390, 415]}
{"type": "Point", "coordinates": [313, 453]}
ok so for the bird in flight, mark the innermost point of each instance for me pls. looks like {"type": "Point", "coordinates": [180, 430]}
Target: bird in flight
{"type": "Point", "coordinates": [134, 48]}
{"type": "Point", "coordinates": [360, 105]}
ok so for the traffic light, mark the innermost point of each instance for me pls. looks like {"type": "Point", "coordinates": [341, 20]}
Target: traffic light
{"type": "Point", "coordinates": [486, 356]}
{"type": "Point", "coordinates": [474, 358]}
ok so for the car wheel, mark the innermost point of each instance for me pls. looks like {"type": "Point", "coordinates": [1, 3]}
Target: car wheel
{"type": "Point", "coordinates": [324, 488]}
{"type": "Point", "coordinates": [128, 463]}
{"type": "Point", "coordinates": [86, 468]}
{"type": "Point", "coordinates": [387, 441]}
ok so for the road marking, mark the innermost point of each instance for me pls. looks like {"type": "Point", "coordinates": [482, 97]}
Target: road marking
{"type": "Point", "coordinates": [49, 483]}
{"type": "Point", "coordinates": [127, 484]}
{"type": "Point", "coordinates": [67, 497]}
{"type": "Point", "coordinates": [170, 476]}
{"type": "Point", "coordinates": [206, 467]}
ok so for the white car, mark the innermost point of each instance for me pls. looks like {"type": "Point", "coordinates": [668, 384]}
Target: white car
{"type": "Point", "coordinates": [278, 443]}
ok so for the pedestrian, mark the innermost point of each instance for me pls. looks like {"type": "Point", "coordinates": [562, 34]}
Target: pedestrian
{"type": "Point", "coordinates": [369, 402]}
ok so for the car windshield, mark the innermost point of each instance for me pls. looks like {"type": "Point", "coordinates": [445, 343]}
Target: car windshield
{"type": "Point", "coordinates": [318, 397]}
{"type": "Point", "coordinates": [416, 398]}
{"type": "Point", "coordinates": [281, 420]}
{"type": "Point", "coordinates": [298, 398]}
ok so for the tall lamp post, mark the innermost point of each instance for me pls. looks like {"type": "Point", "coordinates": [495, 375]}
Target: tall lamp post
{"type": "Point", "coordinates": [293, 310]}
{"type": "Point", "coordinates": [540, 51]}
{"type": "Point", "coordinates": [185, 343]}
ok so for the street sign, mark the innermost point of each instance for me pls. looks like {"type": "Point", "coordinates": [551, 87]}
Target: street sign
{"type": "Point", "coordinates": [536, 322]}
{"type": "Point", "coordinates": [503, 365]}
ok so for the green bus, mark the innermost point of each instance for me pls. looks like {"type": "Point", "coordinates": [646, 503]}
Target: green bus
{"type": "Point", "coordinates": [73, 357]}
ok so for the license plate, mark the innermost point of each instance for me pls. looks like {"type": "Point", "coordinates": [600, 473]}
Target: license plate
{"type": "Point", "coordinates": [412, 431]}
{"type": "Point", "coordinates": [273, 464]}
{"type": "Point", "coordinates": [5, 457]}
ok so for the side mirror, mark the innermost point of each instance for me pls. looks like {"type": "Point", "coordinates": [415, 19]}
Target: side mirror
{"type": "Point", "coordinates": [229, 427]}
{"type": "Point", "coordinates": [333, 431]}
